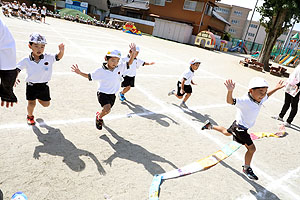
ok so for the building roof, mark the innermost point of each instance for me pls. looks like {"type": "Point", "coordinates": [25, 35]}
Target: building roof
{"type": "Point", "coordinates": [137, 5]}
{"type": "Point", "coordinates": [219, 17]}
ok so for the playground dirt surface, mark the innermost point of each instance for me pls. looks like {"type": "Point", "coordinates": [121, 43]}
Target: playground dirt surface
{"type": "Point", "coordinates": [65, 157]}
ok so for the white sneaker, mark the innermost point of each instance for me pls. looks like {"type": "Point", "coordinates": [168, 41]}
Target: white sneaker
{"type": "Point", "coordinates": [286, 124]}
{"type": "Point", "coordinates": [183, 105]}
{"type": "Point", "coordinates": [172, 92]}
{"type": "Point", "coordinates": [277, 118]}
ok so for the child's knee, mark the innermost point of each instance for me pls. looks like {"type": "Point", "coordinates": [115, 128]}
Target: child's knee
{"type": "Point", "coordinates": [251, 148]}
{"type": "Point", "coordinates": [31, 103]}
{"type": "Point", "coordinates": [44, 103]}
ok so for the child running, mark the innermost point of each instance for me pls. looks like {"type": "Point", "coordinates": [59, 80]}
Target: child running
{"type": "Point", "coordinates": [248, 108]}
{"type": "Point", "coordinates": [39, 71]}
{"type": "Point", "coordinates": [184, 83]}
{"type": "Point", "coordinates": [109, 76]}
{"type": "Point", "coordinates": [129, 75]}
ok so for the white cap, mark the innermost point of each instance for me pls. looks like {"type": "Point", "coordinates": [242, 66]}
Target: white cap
{"type": "Point", "coordinates": [37, 38]}
{"type": "Point", "coordinates": [114, 53]}
{"type": "Point", "coordinates": [257, 82]}
{"type": "Point", "coordinates": [194, 60]}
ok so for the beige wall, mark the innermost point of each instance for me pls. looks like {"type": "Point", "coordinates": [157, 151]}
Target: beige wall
{"type": "Point", "coordinates": [262, 33]}
{"type": "Point", "coordinates": [232, 16]}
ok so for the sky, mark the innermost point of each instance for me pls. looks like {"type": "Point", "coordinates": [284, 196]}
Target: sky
{"type": "Point", "coordinates": [250, 4]}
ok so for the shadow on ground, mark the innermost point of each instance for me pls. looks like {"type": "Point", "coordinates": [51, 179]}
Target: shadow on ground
{"type": "Point", "coordinates": [124, 149]}
{"type": "Point", "coordinates": [55, 144]}
{"type": "Point", "coordinates": [197, 116]}
{"type": "Point", "coordinates": [260, 192]}
{"type": "Point", "coordinates": [159, 118]}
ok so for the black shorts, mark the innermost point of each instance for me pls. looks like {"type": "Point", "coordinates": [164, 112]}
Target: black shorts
{"type": "Point", "coordinates": [128, 81]}
{"type": "Point", "coordinates": [7, 81]}
{"type": "Point", "coordinates": [187, 89]}
{"type": "Point", "coordinates": [39, 91]}
{"type": "Point", "coordinates": [33, 14]}
{"type": "Point", "coordinates": [104, 99]}
{"type": "Point", "coordinates": [240, 134]}
{"type": "Point", "coordinates": [43, 16]}
{"type": "Point", "coordinates": [23, 12]}
{"type": "Point", "coordinates": [15, 10]}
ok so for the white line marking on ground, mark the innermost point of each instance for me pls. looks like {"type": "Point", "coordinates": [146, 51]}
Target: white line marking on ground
{"type": "Point", "coordinates": [109, 117]}
{"type": "Point", "coordinates": [198, 130]}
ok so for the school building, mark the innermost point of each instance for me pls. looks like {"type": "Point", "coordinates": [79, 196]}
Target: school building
{"type": "Point", "coordinates": [256, 35]}
{"type": "Point", "coordinates": [236, 16]}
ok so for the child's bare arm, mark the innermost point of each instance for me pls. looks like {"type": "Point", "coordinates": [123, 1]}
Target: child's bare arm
{"type": "Point", "coordinates": [61, 48]}
{"type": "Point", "coordinates": [230, 87]}
{"type": "Point", "coordinates": [192, 82]}
{"type": "Point", "coordinates": [151, 63]}
{"type": "Point", "coordinates": [279, 85]}
{"type": "Point", "coordinates": [77, 71]}
{"type": "Point", "coordinates": [182, 86]}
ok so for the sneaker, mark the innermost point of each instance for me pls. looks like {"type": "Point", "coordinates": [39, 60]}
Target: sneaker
{"type": "Point", "coordinates": [207, 125]}
{"type": "Point", "coordinates": [172, 92]}
{"type": "Point", "coordinates": [286, 124]}
{"type": "Point", "coordinates": [30, 120]}
{"type": "Point", "coordinates": [277, 118]}
{"type": "Point", "coordinates": [183, 105]}
{"type": "Point", "coordinates": [99, 122]}
{"type": "Point", "coordinates": [250, 173]}
{"type": "Point", "coordinates": [122, 97]}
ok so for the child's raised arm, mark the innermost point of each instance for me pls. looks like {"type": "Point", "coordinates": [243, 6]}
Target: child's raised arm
{"type": "Point", "coordinates": [77, 71]}
{"type": "Point", "coordinates": [132, 47]}
{"type": "Point", "coordinates": [279, 85]}
{"type": "Point", "coordinates": [230, 87]}
{"type": "Point", "coordinates": [61, 48]}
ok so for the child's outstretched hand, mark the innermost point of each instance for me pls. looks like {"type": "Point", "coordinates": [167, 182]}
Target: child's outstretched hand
{"type": "Point", "coordinates": [61, 47]}
{"type": "Point", "coordinates": [229, 85]}
{"type": "Point", "coordinates": [152, 63]}
{"type": "Point", "coordinates": [75, 69]}
{"type": "Point", "coordinates": [280, 84]}
{"type": "Point", "coordinates": [132, 47]}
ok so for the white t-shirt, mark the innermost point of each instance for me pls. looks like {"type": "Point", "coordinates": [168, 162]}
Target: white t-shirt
{"type": "Point", "coordinates": [187, 75]}
{"type": "Point", "coordinates": [109, 81]}
{"type": "Point", "coordinates": [135, 65]}
{"type": "Point", "coordinates": [43, 12]}
{"type": "Point", "coordinates": [34, 10]}
{"type": "Point", "coordinates": [40, 72]}
{"type": "Point", "coordinates": [23, 8]}
{"type": "Point", "coordinates": [15, 6]}
{"type": "Point", "coordinates": [247, 110]}
{"type": "Point", "coordinates": [7, 48]}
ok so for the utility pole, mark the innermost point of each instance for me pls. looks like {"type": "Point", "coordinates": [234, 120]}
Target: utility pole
{"type": "Point", "coordinates": [288, 37]}
{"type": "Point", "coordinates": [202, 16]}
{"type": "Point", "coordinates": [250, 21]}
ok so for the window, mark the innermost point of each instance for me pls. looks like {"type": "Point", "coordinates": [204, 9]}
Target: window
{"type": "Point", "coordinates": [168, 0]}
{"type": "Point", "coordinates": [231, 30]}
{"type": "Point", "coordinates": [235, 21]}
{"type": "Point", "coordinates": [159, 2]}
{"type": "Point", "coordinates": [208, 10]}
{"type": "Point", "coordinates": [190, 5]}
{"type": "Point", "coordinates": [221, 10]}
{"type": "Point", "coordinates": [253, 25]}
{"type": "Point", "coordinates": [238, 13]}
{"type": "Point", "coordinates": [251, 34]}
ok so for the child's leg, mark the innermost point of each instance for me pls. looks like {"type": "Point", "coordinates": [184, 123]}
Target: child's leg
{"type": "Point", "coordinates": [249, 154]}
{"type": "Point", "coordinates": [44, 103]}
{"type": "Point", "coordinates": [105, 110]}
{"type": "Point", "coordinates": [187, 96]}
{"type": "Point", "coordinates": [179, 97]}
{"type": "Point", "coordinates": [30, 107]}
{"type": "Point", "coordinates": [222, 129]}
{"type": "Point", "coordinates": [126, 89]}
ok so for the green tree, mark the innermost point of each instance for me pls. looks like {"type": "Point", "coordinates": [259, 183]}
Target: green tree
{"type": "Point", "coordinates": [277, 17]}
{"type": "Point", "coordinates": [226, 36]}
